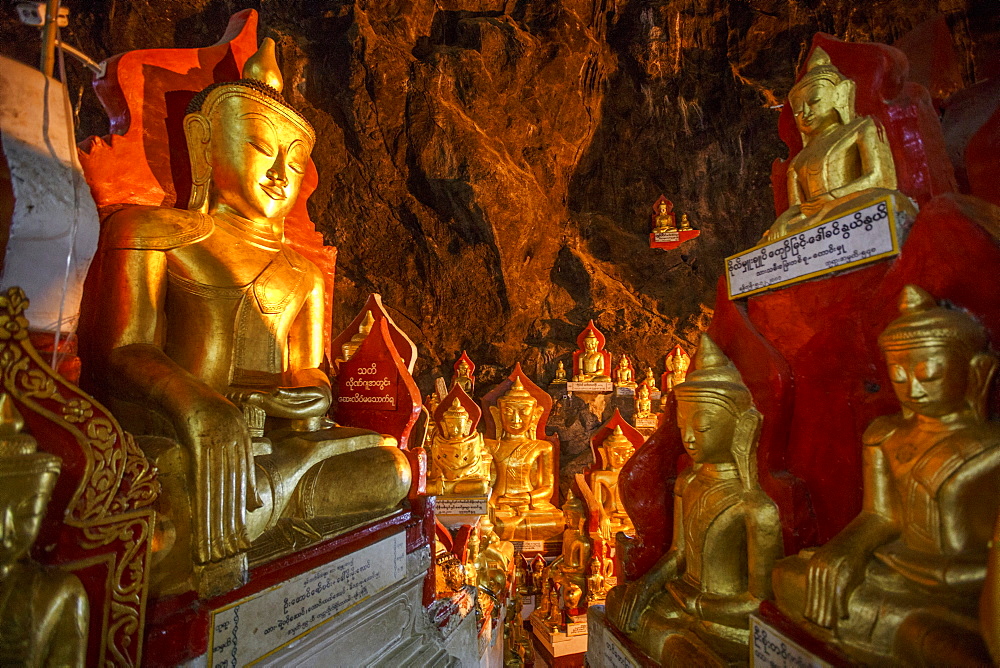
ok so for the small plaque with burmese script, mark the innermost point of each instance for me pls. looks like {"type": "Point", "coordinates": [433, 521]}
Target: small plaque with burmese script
{"type": "Point", "coordinates": [368, 384]}
{"type": "Point", "coordinates": [529, 545]}
{"type": "Point", "coordinates": [646, 422]}
{"type": "Point", "coordinates": [462, 505]}
{"type": "Point", "coordinates": [667, 236]}
{"type": "Point", "coordinates": [625, 391]}
{"type": "Point", "coordinates": [769, 648]}
{"type": "Point", "coordinates": [576, 629]}
{"type": "Point", "coordinates": [614, 653]}
{"type": "Point", "coordinates": [860, 237]}
{"type": "Point", "coordinates": [590, 386]}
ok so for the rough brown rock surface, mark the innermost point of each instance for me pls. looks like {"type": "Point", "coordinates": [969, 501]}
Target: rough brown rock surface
{"type": "Point", "coordinates": [489, 165]}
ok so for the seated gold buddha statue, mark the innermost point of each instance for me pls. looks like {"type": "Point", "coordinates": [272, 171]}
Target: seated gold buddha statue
{"type": "Point", "coordinates": [560, 377]}
{"type": "Point", "coordinates": [615, 451]}
{"type": "Point", "coordinates": [209, 318]}
{"type": "Point", "coordinates": [845, 161]}
{"type": "Point", "coordinates": [570, 567]}
{"type": "Point", "coordinates": [643, 404]}
{"type": "Point", "coordinates": [900, 583]}
{"type": "Point", "coordinates": [525, 470]}
{"type": "Point", "coordinates": [626, 378]}
{"type": "Point", "coordinates": [44, 610]}
{"type": "Point", "coordinates": [463, 377]}
{"type": "Point", "coordinates": [590, 364]}
{"type": "Point", "coordinates": [664, 221]}
{"type": "Point", "coordinates": [460, 464]}
{"type": "Point", "coordinates": [695, 602]}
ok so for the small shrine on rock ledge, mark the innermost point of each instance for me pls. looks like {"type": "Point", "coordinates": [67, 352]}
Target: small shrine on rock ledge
{"type": "Point", "coordinates": [486, 428]}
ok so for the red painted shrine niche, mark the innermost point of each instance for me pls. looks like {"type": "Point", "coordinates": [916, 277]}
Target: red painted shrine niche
{"type": "Point", "coordinates": [581, 348]}
{"type": "Point", "coordinates": [665, 234]}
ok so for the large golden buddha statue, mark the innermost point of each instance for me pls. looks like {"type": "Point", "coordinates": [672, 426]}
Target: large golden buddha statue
{"type": "Point", "coordinates": [845, 162]}
{"type": "Point", "coordinates": [900, 583]}
{"type": "Point", "coordinates": [45, 611]}
{"type": "Point", "coordinates": [693, 605]}
{"type": "Point", "coordinates": [460, 464]}
{"type": "Point", "coordinates": [525, 470]}
{"type": "Point", "coordinates": [614, 451]}
{"type": "Point", "coordinates": [210, 320]}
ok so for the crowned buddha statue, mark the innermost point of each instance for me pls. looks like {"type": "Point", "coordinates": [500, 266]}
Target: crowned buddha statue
{"type": "Point", "coordinates": [560, 378]}
{"type": "Point", "coordinates": [614, 451]}
{"type": "Point", "coordinates": [207, 314]}
{"type": "Point", "coordinates": [845, 162]}
{"type": "Point", "coordinates": [695, 601]}
{"type": "Point", "coordinates": [348, 349]}
{"type": "Point", "coordinates": [460, 464]}
{"type": "Point", "coordinates": [525, 470]}
{"type": "Point", "coordinates": [45, 611]}
{"type": "Point", "coordinates": [596, 581]}
{"type": "Point", "coordinates": [625, 376]}
{"type": "Point", "coordinates": [678, 363]}
{"type": "Point", "coordinates": [664, 220]}
{"type": "Point", "coordinates": [643, 404]}
{"type": "Point", "coordinates": [900, 583]}
{"type": "Point", "coordinates": [570, 567]}
{"type": "Point", "coordinates": [590, 362]}
{"type": "Point", "coordinates": [463, 377]}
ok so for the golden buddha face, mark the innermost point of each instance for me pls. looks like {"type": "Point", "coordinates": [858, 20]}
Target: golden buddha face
{"type": "Point", "coordinates": [619, 453]}
{"type": "Point", "coordinates": [455, 425]}
{"type": "Point", "coordinates": [23, 499]}
{"type": "Point", "coordinates": [590, 344]}
{"type": "Point", "coordinates": [663, 207]}
{"type": "Point", "coordinates": [256, 154]}
{"type": "Point", "coordinates": [929, 380]}
{"type": "Point", "coordinates": [707, 430]}
{"type": "Point", "coordinates": [463, 369]}
{"type": "Point", "coordinates": [814, 105]}
{"type": "Point", "coordinates": [516, 416]}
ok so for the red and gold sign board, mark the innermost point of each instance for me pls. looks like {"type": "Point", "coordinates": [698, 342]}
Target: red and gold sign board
{"type": "Point", "coordinates": [99, 523]}
{"type": "Point", "coordinates": [374, 390]}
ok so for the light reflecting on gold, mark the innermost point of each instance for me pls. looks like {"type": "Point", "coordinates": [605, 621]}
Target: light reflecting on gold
{"type": "Point", "coordinates": [207, 312]}
{"type": "Point", "coordinates": [525, 470]}
{"type": "Point", "coordinates": [460, 464]}
{"type": "Point", "coordinates": [900, 583]}
{"type": "Point", "coordinates": [696, 600]}
{"type": "Point", "coordinates": [845, 161]}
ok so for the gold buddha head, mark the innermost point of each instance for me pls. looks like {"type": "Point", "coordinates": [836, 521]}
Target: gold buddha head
{"type": "Point", "coordinates": [642, 392]}
{"type": "Point", "coordinates": [623, 363]}
{"type": "Point", "coordinates": [938, 358]}
{"type": "Point", "coordinates": [455, 422]}
{"type": "Point", "coordinates": [617, 448]}
{"type": "Point", "coordinates": [823, 97]}
{"type": "Point", "coordinates": [715, 412]}
{"type": "Point", "coordinates": [463, 369]}
{"type": "Point", "coordinates": [248, 148]}
{"type": "Point", "coordinates": [590, 342]}
{"type": "Point", "coordinates": [574, 511]}
{"type": "Point", "coordinates": [517, 412]}
{"type": "Point", "coordinates": [27, 478]}
{"type": "Point", "coordinates": [662, 207]}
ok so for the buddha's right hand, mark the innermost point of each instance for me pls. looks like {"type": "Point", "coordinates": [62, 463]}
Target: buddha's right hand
{"type": "Point", "coordinates": [216, 435]}
{"type": "Point", "coordinates": [832, 575]}
{"type": "Point", "coordinates": [637, 596]}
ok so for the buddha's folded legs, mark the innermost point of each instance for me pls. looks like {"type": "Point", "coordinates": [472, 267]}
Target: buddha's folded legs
{"type": "Point", "coordinates": [366, 482]}
{"type": "Point", "coordinates": [669, 636]}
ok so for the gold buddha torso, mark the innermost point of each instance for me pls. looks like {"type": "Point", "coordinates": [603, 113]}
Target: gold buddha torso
{"type": "Point", "coordinates": [932, 482]}
{"type": "Point", "coordinates": [710, 531]}
{"type": "Point", "coordinates": [830, 160]}
{"type": "Point", "coordinates": [460, 458]}
{"type": "Point", "coordinates": [515, 460]}
{"type": "Point", "coordinates": [244, 287]}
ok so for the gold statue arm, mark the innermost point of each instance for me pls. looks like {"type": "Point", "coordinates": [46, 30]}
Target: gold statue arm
{"type": "Point", "coordinates": [764, 547]}
{"type": "Point", "coordinates": [877, 167]}
{"type": "Point", "coordinates": [838, 567]}
{"type": "Point", "coordinates": [69, 632]}
{"type": "Point", "coordinates": [639, 593]}
{"type": "Point", "coordinates": [542, 477]}
{"type": "Point", "coordinates": [989, 604]}
{"type": "Point", "coordinates": [209, 426]}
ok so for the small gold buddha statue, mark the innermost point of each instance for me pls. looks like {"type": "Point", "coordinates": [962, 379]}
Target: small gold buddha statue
{"type": "Point", "coordinates": [207, 311]}
{"type": "Point", "coordinates": [460, 464]}
{"type": "Point", "coordinates": [685, 223]}
{"type": "Point", "coordinates": [45, 611]}
{"type": "Point", "coordinates": [845, 162]}
{"type": "Point", "coordinates": [664, 221]}
{"type": "Point", "coordinates": [463, 377]}
{"type": "Point", "coordinates": [596, 589]}
{"type": "Point", "coordinates": [624, 373]}
{"type": "Point", "coordinates": [678, 362]}
{"type": "Point", "coordinates": [590, 364]}
{"type": "Point", "coordinates": [570, 567]}
{"type": "Point", "coordinates": [560, 378]}
{"type": "Point", "coordinates": [525, 470]}
{"type": "Point", "coordinates": [643, 404]}
{"type": "Point", "coordinates": [431, 402]}
{"type": "Point", "coordinates": [517, 650]}
{"type": "Point", "coordinates": [493, 557]}
{"type": "Point", "coordinates": [614, 451]}
{"type": "Point", "coordinates": [350, 347]}
{"type": "Point", "coordinates": [727, 535]}
{"type": "Point", "coordinates": [900, 583]}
